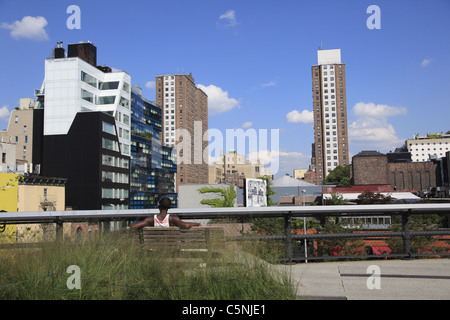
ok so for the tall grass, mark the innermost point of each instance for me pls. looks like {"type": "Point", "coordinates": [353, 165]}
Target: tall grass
{"type": "Point", "coordinates": [116, 268]}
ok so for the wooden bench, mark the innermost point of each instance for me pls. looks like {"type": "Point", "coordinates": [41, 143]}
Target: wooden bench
{"type": "Point", "coordinates": [196, 239]}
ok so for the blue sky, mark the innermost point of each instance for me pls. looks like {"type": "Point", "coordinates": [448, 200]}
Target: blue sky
{"type": "Point", "coordinates": [254, 60]}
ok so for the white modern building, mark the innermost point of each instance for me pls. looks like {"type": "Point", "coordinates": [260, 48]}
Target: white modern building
{"type": "Point", "coordinates": [76, 84]}
{"type": "Point", "coordinates": [431, 146]}
{"type": "Point", "coordinates": [86, 128]}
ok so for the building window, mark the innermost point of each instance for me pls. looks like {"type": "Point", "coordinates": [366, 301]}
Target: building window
{"type": "Point", "coordinates": [113, 85]}
{"type": "Point", "coordinates": [126, 149]}
{"type": "Point", "coordinates": [124, 102]}
{"type": "Point", "coordinates": [108, 128]}
{"type": "Point", "coordinates": [108, 176]}
{"type": "Point", "coordinates": [107, 193]}
{"type": "Point", "coordinates": [109, 144]}
{"type": "Point", "coordinates": [106, 100]}
{"type": "Point", "coordinates": [90, 80]}
{"type": "Point", "coordinates": [126, 119]}
{"type": "Point", "coordinates": [108, 160]}
{"type": "Point", "coordinates": [126, 87]}
{"type": "Point", "coordinates": [87, 96]}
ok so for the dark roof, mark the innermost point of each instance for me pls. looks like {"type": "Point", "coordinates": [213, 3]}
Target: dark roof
{"type": "Point", "coordinates": [40, 180]}
{"type": "Point", "coordinates": [369, 153]}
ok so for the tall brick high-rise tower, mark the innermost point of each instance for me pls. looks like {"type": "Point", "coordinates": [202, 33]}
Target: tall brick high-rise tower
{"type": "Point", "coordinates": [330, 113]}
{"type": "Point", "coordinates": [184, 109]}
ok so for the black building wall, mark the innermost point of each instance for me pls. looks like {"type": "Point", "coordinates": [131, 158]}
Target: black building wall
{"type": "Point", "coordinates": [77, 156]}
{"type": "Point", "coordinates": [38, 131]}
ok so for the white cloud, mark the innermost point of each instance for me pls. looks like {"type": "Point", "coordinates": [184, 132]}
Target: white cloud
{"type": "Point", "coordinates": [150, 84]}
{"type": "Point", "coordinates": [305, 116]}
{"type": "Point", "coordinates": [228, 19]}
{"type": "Point", "coordinates": [377, 131]}
{"type": "Point", "coordinates": [371, 128]}
{"type": "Point", "coordinates": [272, 83]}
{"type": "Point", "coordinates": [29, 27]}
{"type": "Point", "coordinates": [377, 111]}
{"type": "Point", "coordinates": [247, 124]}
{"type": "Point", "coordinates": [218, 99]}
{"type": "Point", "coordinates": [425, 62]}
{"type": "Point", "coordinates": [4, 113]}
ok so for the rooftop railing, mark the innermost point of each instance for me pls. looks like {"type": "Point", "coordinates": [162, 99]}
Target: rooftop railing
{"type": "Point", "coordinates": [287, 212]}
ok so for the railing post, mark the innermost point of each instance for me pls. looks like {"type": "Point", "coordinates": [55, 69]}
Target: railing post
{"type": "Point", "coordinates": [59, 230]}
{"type": "Point", "coordinates": [105, 226]}
{"type": "Point", "coordinates": [288, 237]}
{"type": "Point", "coordinates": [406, 233]}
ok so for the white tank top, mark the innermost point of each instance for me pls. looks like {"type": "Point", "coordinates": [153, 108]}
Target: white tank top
{"type": "Point", "coordinates": [163, 223]}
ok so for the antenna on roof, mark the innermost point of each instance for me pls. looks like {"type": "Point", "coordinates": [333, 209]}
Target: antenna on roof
{"type": "Point", "coordinates": [320, 48]}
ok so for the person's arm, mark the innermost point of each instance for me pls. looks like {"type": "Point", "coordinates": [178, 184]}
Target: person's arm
{"type": "Point", "coordinates": [176, 221]}
{"type": "Point", "coordinates": [147, 221]}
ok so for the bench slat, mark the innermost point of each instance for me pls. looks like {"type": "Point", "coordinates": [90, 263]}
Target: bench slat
{"type": "Point", "coordinates": [197, 239]}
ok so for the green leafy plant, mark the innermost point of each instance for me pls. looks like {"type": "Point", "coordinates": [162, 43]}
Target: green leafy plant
{"type": "Point", "coordinates": [227, 200]}
{"type": "Point", "coordinates": [336, 199]}
{"type": "Point", "coordinates": [339, 176]}
{"type": "Point", "coordinates": [418, 244]}
{"type": "Point", "coordinates": [269, 191]}
{"type": "Point", "coordinates": [369, 197]}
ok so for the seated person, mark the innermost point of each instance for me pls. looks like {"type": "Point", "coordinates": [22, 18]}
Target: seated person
{"type": "Point", "coordinates": [163, 219]}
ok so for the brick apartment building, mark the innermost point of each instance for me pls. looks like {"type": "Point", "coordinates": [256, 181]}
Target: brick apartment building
{"type": "Point", "coordinates": [184, 122]}
{"type": "Point", "coordinates": [330, 147]}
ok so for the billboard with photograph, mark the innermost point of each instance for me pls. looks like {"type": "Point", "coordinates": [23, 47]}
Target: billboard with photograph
{"type": "Point", "coordinates": [255, 193]}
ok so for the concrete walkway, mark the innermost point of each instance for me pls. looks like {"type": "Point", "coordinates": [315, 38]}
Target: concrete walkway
{"type": "Point", "coordinates": [389, 279]}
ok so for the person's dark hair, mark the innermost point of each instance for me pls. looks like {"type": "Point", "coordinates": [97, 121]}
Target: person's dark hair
{"type": "Point", "coordinates": [165, 204]}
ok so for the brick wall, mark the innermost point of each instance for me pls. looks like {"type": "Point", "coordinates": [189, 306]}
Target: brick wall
{"type": "Point", "coordinates": [414, 175]}
{"type": "Point", "coordinates": [373, 168]}
{"type": "Point", "coordinates": [370, 169]}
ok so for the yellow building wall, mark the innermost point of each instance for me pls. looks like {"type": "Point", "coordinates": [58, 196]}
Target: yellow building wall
{"type": "Point", "coordinates": [300, 173]}
{"type": "Point", "coordinates": [30, 199]}
{"type": "Point", "coordinates": [8, 202]}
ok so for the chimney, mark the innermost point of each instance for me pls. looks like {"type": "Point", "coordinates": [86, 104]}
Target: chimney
{"type": "Point", "coordinates": [83, 50]}
{"type": "Point", "coordinates": [59, 52]}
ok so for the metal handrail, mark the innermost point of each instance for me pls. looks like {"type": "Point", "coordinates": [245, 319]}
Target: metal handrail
{"type": "Point", "coordinates": [287, 212]}
{"type": "Point", "coordinates": [211, 213]}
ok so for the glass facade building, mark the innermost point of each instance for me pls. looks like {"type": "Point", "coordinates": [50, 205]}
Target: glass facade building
{"type": "Point", "coordinates": [153, 166]}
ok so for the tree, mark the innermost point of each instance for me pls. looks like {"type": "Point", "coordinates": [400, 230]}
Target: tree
{"type": "Point", "coordinates": [369, 197]}
{"type": "Point", "coordinates": [339, 176]}
{"type": "Point", "coordinates": [228, 197]}
{"type": "Point", "coordinates": [337, 199]}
